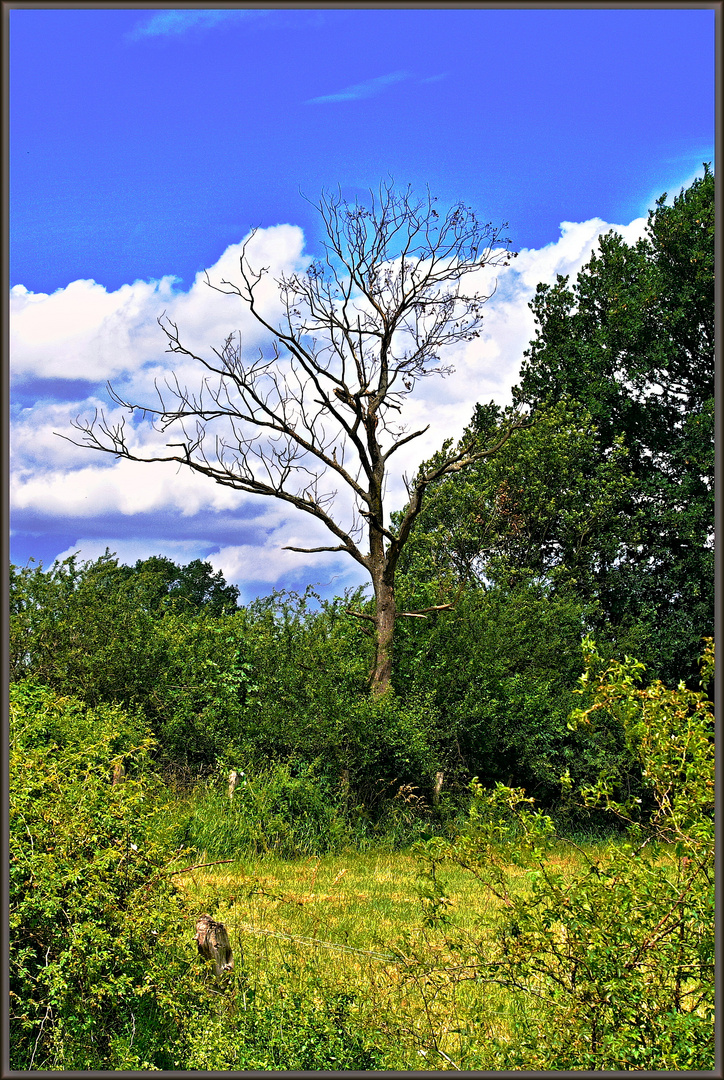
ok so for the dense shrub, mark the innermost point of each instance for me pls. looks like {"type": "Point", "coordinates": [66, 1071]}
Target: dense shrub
{"type": "Point", "coordinates": [202, 704]}
{"type": "Point", "coordinates": [86, 629]}
{"type": "Point", "coordinates": [613, 966]}
{"type": "Point", "coordinates": [499, 670]}
{"type": "Point", "coordinates": [289, 809]}
{"type": "Point", "coordinates": [98, 958]}
{"type": "Point", "coordinates": [287, 1032]}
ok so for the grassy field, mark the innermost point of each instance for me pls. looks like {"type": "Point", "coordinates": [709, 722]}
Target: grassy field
{"type": "Point", "coordinates": [350, 927]}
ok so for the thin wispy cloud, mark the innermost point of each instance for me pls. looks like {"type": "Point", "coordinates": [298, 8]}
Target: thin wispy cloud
{"type": "Point", "coordinates": [173, 23]}
{"type": "Point", "coordinates": [361, 90]}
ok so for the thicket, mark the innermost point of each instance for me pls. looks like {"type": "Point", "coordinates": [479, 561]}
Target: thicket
{"type": "Point", "coordinates": [278, 690]}
{"type": "Point", "coordinates": [607, 966]}
{"type": "Point", "coordinates": [611, 967]}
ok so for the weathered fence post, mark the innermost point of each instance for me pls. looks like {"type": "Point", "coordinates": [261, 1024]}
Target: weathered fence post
{"type": "Point", "coordinates": [213, 943]}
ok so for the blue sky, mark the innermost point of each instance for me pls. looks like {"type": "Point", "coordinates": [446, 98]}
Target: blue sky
{"type": "Point", "coordinates": [146, 144]}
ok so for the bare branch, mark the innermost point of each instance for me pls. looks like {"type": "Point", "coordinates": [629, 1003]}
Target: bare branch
{"type": "Point", "coordinates": [361, 615]}
{"type": "Point", "coordinates": [309, 551]}
{"type": "Point", "coordinates": [423, 612]}
{"type": "Point", "coordinates": [320, 404]}
{"type": "Point", "coordinates": [406, 439]}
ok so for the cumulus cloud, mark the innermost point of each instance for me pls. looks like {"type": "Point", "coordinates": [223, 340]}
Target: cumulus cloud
{"type": "Point", "coordinates": [270, 564]}
{"type": "Point", "coordinates": [85, 332]}
{"type": "Point", "coordinates": [130, 551]}
{"type": "Point", "coordinates": [126, 487]}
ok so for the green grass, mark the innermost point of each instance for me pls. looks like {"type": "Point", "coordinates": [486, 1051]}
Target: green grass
{"type": "Point", "coordinates": [351, 926]}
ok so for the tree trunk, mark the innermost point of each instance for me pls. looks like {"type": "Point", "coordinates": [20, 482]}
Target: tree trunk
{"type": "Point", "coordinates": [384, 631]}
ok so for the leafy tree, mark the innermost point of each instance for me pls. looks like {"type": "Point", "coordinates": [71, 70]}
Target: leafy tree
{"type": "Point", "coordinates": [86, 628]}
{"type": "Point", "coordinates": [192, 587]}
{"type": "Point", "coordinates": [144, 636]}
{"type": "Point", "coordinates": [632, 340]}
{"type": "Point", "coordinates": [358, 330]}
{"type": "Point", "coordinates": [499, 670]}
{"type": "Point", "coordinates": [547, 509]}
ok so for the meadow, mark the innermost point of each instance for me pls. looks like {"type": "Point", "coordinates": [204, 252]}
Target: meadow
{"type": "Point", "coordinates": [350, 928]}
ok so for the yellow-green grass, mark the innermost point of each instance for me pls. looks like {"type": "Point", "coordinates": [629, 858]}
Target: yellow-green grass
{"type": "Point", "coordinates": [353, 924]}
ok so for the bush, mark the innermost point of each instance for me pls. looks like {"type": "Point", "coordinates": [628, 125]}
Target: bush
{"type": "Point", "coordinates": [612, 966]}
{"type": "Point", "coordinates": [499, 671]}
{"type": "Point", "coordinates": [202, 701]}
{"type": "Point", "coordinates": [285, 808]}
{"type": "Point", "coordinates": [99, 940]}
{"type": "Point", "coordinates": [87, 630]}
{"type": "Point", "coordinates": [287, 1032]}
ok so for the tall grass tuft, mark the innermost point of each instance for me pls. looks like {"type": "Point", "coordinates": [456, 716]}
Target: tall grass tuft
{"type": "Point", "coordinates": [285, 809]}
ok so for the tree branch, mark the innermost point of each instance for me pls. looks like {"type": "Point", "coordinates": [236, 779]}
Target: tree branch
{"type": "Point", "coordinates": [309, 551]}
{"type": "Point", "coordinates": [423, 612]}
{"type": "Point", "coordinates": [361, 615]}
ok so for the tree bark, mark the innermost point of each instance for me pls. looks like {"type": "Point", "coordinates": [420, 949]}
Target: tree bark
{"type": "Point", "coordinates": [384, 634]}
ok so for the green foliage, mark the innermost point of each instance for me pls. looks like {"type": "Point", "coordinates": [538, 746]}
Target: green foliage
{"type": "Point", "coordinates": [546, 506]}
{"type": "Point", "coordinates": [310, 664]}
{"type": "Point", "coordinates": [202, 700]}
{"type": "Point", "coordinates": [286, 1032]}
{"type": "Point", "coordinates": [391, 741]}
{"type": "Point", "coordinates": [190, 588]}
{"type": "Point", "coordinates": [632, 341]}
{"type": "Point", "coordinates": [96, 928]}
{"type": "Point", "coordinates": [499, 670]}
{"type": "Point", "coordinates": [375, 787]}
{"type": "Point", "coordinates": [86, 629]}
{"type": "Point", "coordinates": [283, 808]}
{"type": "Point", "coordinates": [109, 633]}
{"type": "Point", "coordinates": [309, 659]}
{"type": "Point", "coordinates": [104, 972]}
{"type": "Point", "coordinates": [613, 966]}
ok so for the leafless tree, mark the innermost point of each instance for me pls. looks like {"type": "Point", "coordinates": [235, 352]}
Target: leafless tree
{"type": "Point", "coordinates": [321, 406]}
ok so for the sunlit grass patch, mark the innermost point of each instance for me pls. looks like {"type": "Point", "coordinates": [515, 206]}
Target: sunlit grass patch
{"type": "Point", "coordinates": [352, 924]}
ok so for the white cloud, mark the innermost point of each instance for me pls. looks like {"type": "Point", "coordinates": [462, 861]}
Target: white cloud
{"type": "Point", "coordinates": [130, 550]}
{"type": "Point", "coordinates": [83, 331]}
{"type": "Point", "coordinates": [366, 89]}
{"type": "Point", "coordinates": [269, 563]}
{"type": "Point", "coordinates": [174, 23]}
{"type": "Point", "coordinates": [126, 487]}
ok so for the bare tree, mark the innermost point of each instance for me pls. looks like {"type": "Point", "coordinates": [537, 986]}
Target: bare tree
{"type": "Point", "coordinates": [321, 406]}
